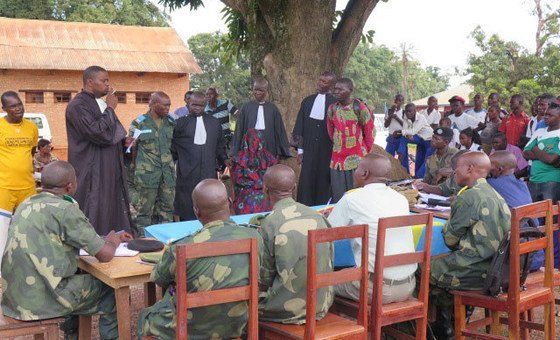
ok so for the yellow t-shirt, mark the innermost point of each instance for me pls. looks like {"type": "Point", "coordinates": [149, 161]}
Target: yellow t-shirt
{"type": "Point", "coordinates": [16, 160]}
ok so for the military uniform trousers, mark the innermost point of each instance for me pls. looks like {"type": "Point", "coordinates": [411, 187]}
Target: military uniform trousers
{"type": "Point", "coordinates": [153, 205]}
{"type": "Point", "coordinates": [89, 296]}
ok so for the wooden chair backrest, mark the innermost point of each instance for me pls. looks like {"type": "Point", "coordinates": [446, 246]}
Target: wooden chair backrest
{"type": "Point", "coordinates": [534, 210]}
{"type": "Point", "coordinates": [315, 280]}
{"type": "Point", "coordinates": [383, 261]}
{"type": "Point", "coordinates": [186, 300]}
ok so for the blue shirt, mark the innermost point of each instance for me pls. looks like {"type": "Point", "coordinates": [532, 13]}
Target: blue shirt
{"type": "Point", "coordinates": [515, 193]}
{"type": "Point", "coordinates": [180, 112]}
{"type": "Point", "coordinates": [541, 124]}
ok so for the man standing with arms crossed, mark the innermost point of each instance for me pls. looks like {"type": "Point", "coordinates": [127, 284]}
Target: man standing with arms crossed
{"type": "Point", "coordinates": [18, 139]}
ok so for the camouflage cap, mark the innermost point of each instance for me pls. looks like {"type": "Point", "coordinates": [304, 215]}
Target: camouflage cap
{"type": "Point", "coordinates": [444, 132]}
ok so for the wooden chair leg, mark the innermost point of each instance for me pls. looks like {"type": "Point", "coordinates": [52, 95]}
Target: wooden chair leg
{"type": "Point", "coordinates": [421, 328]}
{"type": "Point", "coordinates": [495, 326]}
{"type": "Point", "coordinates": [460, 318]}
{"type": "Point", "coordinates": [52, 332]}
{"type": "Point", "coordinates": [525, 332]}
{"type": "Point", "coordinates": [84, 332]}
{"type": "Point", "coordinates": [514, 329]}
{"type": "Point", "coordinates": [39, 336]}
{"type": "Point", "coordinates": [549, 322]}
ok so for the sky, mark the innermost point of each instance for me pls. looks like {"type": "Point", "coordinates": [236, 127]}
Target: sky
{"type": "Point", "coordinates": [437, 30]}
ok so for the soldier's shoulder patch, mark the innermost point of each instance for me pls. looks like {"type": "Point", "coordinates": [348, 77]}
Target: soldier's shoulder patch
{"type": "Point", "coordinates": [140, 118]}
{"type": "Point", "coordinates": [170, 119]}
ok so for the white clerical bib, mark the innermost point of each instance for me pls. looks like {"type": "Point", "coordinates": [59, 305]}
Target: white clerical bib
{"type": "Point", "coordinates": [101, 103]}
{"type": "Point", "coordinates": [260, 118]}
{"type": "Point", "coordinates": [318, 109]}
{"type": "Point", "coordinates": [200, 132]}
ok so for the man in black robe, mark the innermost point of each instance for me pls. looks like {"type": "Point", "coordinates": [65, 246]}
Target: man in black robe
{"type": "Point", "coordinates": [198, 146]}
{"type": "Point", "coordinates": [314, 146]}
{"type": "Point", "coordinates": [262, 115]}
{"type": "Point", "coordinates": [95, 150]}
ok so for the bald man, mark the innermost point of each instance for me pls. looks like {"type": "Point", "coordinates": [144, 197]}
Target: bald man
{"type": "Point", "coordinates": [262, 115]}
{"type": "Point", "coordinates": [371, 201]}
{"type": "Point", "coordinates": [225, 321]}
{"type": "Point", "coordinates": [152, 167]}
{"type": "Point", "coordinates": [514, 191]}
{"type": "Point", "coordinates": [479, 219]}
{"type": "Point", "coordinates": [283, 273]}
{"type": "Point", "coordinates": [40, 263]}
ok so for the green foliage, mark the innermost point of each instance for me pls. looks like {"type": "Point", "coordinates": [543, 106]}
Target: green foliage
{"type": "Point", "coordinates": [231, 78]}
{"type": "Point", "coordinates": [377, 75]}
{"type": "Point", "coordinates": [120, 12]}
{"type": "Point", "coordinates": [508, 68]}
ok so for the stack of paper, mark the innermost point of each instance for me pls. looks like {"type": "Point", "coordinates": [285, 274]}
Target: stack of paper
{"type": "Point", "coordinates": [122, 251]}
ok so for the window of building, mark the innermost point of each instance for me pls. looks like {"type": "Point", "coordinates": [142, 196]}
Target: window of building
{"type": "Point", "coordinates": [142, 97]}
{"type": "Point", "coordinates": [34, 97]}
{"type": "Point", "coordinates": [62, 97]}
{"type": "Point", "coordinates": [121, 97]}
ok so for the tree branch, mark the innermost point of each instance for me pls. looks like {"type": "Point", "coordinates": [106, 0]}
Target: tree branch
{"type": "Point", "coordinates": [348, 32]}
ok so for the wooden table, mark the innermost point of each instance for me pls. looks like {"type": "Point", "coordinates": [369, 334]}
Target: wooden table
{"type": "Point", "coordinates": [440, 214]}
{"type": "Point", "coordinates": [120, 273]}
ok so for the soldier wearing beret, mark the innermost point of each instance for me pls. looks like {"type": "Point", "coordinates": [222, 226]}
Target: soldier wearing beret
{"type": "Point", "coordinates": [438, 165]}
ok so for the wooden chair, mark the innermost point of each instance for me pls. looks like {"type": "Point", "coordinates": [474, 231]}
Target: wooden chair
{"type": "Point", "coordinates": [515, 302]}
{"type": "Point", "coordinates": [412, 309]}
{"type": "Point", "coordinates": [331, 326]}
{"type": "Point", "coordinates": [11, 328]}
{"type": "Point", "coordinates": [186, 300]}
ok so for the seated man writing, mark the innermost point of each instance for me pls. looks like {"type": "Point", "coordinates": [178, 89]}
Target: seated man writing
{"type": "Point", "coordinates": [371, 201]}
{"type": "Point", "coordinates": [212, 208]}
{"type": "Point", "coordinates": [479, 220]}
{"type": "Point", "coordinates": [438, 165]}
{"type": "Point", "coordinates": [447, 188]}
{"type": "Point", "coordinates": [283, 275]}
{"type": "Point", "coordinates": [40, 262]}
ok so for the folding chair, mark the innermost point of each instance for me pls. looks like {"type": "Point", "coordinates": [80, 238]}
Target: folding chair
{"type": "Point", "coordinates": [331, 326]}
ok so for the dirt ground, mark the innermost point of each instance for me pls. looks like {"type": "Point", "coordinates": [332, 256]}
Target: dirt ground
{"type": "Point", "coordinates": [137, 303]}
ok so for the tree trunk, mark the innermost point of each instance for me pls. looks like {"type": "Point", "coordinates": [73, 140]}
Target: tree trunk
{"type": "Point", "coordinates": [292, 42]}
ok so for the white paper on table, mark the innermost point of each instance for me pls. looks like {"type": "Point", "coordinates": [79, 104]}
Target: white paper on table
{"type": "Point", "coordinates": [432, 207]}
{"type": "Point", "coordinates": [135, 135]}
{"type": "Point", "coordinates": [425, 197]}
{"type": "Point", "coordinates": [122, 251]}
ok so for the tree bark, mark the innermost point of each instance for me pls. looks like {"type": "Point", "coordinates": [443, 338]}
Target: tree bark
{"type": "Point", "coordinates": [293, 41]}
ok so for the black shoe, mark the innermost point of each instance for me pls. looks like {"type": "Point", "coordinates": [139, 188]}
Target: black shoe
{"type": "Point", "coordinates": [443, 326]}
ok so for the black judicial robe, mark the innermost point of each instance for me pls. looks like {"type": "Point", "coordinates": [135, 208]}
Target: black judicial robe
{"type": "Point", "coordinates": [195, 162]}
{"type": "Point", "coordinates": [276, 140]}
{"type": "Point", "coordinates": [95, 150]}
{"type": "Point", "coordinates": [309, 134]}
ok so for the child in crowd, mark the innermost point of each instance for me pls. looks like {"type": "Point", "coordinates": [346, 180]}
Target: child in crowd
{"type": "Point", "coordinates": [446, 122]}
{"type": "Point", "coordinates": [470, 140]}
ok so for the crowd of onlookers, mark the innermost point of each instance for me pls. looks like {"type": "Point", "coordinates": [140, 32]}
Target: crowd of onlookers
{"type": "Point", "coordinates": [166, 168]}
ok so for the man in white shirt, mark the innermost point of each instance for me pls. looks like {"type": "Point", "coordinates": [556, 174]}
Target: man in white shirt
{"type": "Point", "coordinates": [416, 131]}
{"type": "Point", "coordinates": [460, 120]}
{"type": "Point", "coordinates": [374, 200]}
{"type": "Point", "coordinates": [432, 114]}
{"type": "Point", "coordinates": [477, 111]}
{"type": "Point", "coordinates": [394, 124]}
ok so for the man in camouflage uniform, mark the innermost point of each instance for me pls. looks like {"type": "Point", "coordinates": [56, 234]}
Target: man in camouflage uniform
{"type": "Point", "coordinates": [438, 165]}
{"type": "Point", "coordinates": [153, 168]}
{"type": "Point", "coordinates": [479, 219]}
{"type": "Point", "coordinates": [283, 274]}
{"type": "Point", "coordinates": [447, 188]}
{"type": "Point", "coordinates": [39, 279]}
{"type": "Point", "coordinates": [229, 320]}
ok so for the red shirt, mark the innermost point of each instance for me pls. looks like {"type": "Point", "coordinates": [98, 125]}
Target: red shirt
{"type": "Point", "coordinates": [514, 126]}
{"type": "Point", "coordinates": [352, 135]}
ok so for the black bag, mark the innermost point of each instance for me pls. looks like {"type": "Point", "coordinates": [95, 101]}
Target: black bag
{"type": "Point", "coordinates": [497, 277]}
{"type": "Point", "coordinates": [145, 246]}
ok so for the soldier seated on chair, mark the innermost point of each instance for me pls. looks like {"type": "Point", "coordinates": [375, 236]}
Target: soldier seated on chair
{"type": "Point", "coordinates": [229, 320]}
{"type": "Point", "coordinates": [283, 274]}
{"type": "Point", "coordinates": [39, 279]}
{"type": "Point", "coordinates": [479, 220]}
{"type": "Point", "coordinates": [371, 201]}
